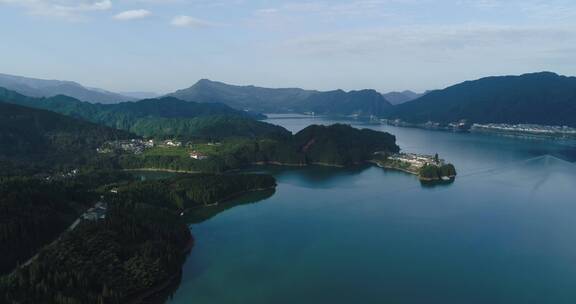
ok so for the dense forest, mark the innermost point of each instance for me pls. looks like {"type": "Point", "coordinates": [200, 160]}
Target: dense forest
{"type": "Point", "coordinates": [109, 261]}
{"type": "Point", "coordinates": [31, 134]}
{"type": "Point", "coordinates": [37, 210]}
{"type": "Point", "coordinates": [140, 245]}
{"type": "Point", "coordinates": [160, 118]}
{"type": "Point", "coordinates": [194, 190]}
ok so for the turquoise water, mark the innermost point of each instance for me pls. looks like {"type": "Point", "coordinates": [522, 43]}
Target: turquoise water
{"type": "Point", "coordinates": [503, 232]}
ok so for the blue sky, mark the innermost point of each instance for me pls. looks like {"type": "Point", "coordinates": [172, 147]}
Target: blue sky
{"type": "Point", "coordinates": [164, 45]}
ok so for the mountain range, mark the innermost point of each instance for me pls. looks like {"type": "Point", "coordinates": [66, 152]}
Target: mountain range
{"type": "Point", "coordinates": [162, 117]}
{"type": "Point", "coordinates": [265, 100]}
{"type": "Point", "coordinates": [252, 98]}
{"type": "Point", "coordinates": [34, 87]}
{"type": "Point", "coordinates": [268, 100]}
{"type": "Point", "coordinates": [540, 98]}
{"type": "Point", "coordinates": [537, 98]}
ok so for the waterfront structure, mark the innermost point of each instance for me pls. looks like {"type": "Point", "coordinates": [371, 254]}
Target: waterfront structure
{"type": "Point", "coordinates": [417, 160]}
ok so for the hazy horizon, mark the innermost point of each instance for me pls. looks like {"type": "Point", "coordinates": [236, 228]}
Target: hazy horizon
{"type": "Point", "coordinates": [387, 45]}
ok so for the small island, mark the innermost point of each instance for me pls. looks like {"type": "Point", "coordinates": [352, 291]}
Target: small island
{"type": "Point", "coordinates": [428, 168]}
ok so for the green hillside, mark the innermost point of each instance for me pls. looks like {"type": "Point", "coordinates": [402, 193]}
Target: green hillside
{"type": "Point", "coordinates": [164, 117]}
{"type": "Point", "coordinates": [32, 134]}
{"type": "Point", "coordinates": [539, 98]}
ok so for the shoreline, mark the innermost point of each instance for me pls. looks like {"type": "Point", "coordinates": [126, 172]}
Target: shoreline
{"type": "Point", "coordinates": [421, 178]}
{"type": "Point", "coordinates": [163, 286]}
{"type": "Point", "coordinates": [229, 198]}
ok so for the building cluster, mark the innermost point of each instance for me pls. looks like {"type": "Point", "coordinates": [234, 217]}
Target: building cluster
{"type": "Point", "coordinates": [60, 176]}
{"type": "Point", "coordinates": [135, 146]}
{"type": "Point", "coordinates": [561, 131]}
{"type": "Point", "coordinates": [417, 160]}
{"type": "Point", "coordinates": [98, 212]}
{"type": "Point", "coordinates": [461, 125]}
{"type": "Point", "coordinates": [138, 146]}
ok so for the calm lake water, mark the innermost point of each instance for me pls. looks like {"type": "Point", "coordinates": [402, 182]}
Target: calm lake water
{"type": "Point", "coordinates": [503, 232]}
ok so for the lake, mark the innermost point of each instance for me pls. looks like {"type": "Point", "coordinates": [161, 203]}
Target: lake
{"type": "Point", "coordinates": [503, 232]}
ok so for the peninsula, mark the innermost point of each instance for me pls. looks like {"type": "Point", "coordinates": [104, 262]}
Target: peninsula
{"type": "Point", "coordinates": [428, 168]}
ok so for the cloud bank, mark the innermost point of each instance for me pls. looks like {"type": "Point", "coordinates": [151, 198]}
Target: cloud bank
{"type": "Point", "coordinates": [132, 15]}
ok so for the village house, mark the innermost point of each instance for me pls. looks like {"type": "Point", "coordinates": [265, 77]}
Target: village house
{"type": "Point", "coordinates": [198, 155]}
{"type": "Point", "coordinates": [171, 143]}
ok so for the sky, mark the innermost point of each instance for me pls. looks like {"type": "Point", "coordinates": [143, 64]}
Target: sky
{"type": "Point", "coordinates": [165, 45]}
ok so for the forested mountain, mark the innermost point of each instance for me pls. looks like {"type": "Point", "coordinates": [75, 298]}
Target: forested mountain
{"type": "Point", "coordinates": [164, 117]}
{"type": "Point", "coordinates": [342, 144]}
{"type": "Point", "coordinates": [134, 251]}
{"type": "Point", "coordinates": [265, 100]}
{"type": "Point", "coordinates": [363, 103]}
{"type": "Point", "coordinates": [47, 88]}
{"type": "Point", "coordinates": [33, 134]}
{"type": "Point", "coordinates": [396, 98]}
{"type": "Point", "coordinates": [37, 211]}
{"type": "Point", "coordinates": [539, 98]}
{"type": "Point", "coordinates": [253, 98]}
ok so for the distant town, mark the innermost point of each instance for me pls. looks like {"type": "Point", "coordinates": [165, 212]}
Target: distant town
{"type": "Point", "coordinates": [512, 129]}
{"type": "Point", "coordinates": [526, 129]}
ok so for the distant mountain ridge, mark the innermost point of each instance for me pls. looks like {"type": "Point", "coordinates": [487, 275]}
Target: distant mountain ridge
{"type": "Point", "coordinates": [396, 98]}
{"type": "Point", "coordinates": [34, 87]}
{"type": "Point", "coordinates": [244, 97]}
{"type": "Point", "coordinates": [282, 100]}
{"type": "Point", "coordinates": [163, 117]}
{"type": "Point", "coordinates": [538, 98]}
{"type": "Point", "coordinates": [339, 102]}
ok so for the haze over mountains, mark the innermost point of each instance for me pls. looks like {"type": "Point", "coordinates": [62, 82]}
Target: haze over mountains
{"type": "Point", "coordinates": [34, 87]}
{"type": "Point", "coordinates": [397, 98]}
{"type": "Point", "coordinates": [541, 98]}
{"type": "Point", "coordinates": [259, 99]}
{"type": "Point", "coordinates": [245, 97]}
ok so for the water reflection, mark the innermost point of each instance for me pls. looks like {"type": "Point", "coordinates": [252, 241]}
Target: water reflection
{"type": "Point", "coordinates": [199, 215]}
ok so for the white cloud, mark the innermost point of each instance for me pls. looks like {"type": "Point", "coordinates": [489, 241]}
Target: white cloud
{"type": "Point", "coordinates": [187, 21]}
{"type": "Point", "coordinates": [69, 9]}
{"type": "Point", "coordinates": [434, 40]}
{"type": "Point", "coordinates": [132, 14]}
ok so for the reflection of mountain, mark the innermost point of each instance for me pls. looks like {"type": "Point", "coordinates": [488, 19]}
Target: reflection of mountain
{"type": "Point", "coordinates": [313, 177]}
{"type": "Point", "coordinates": [206, 213]}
